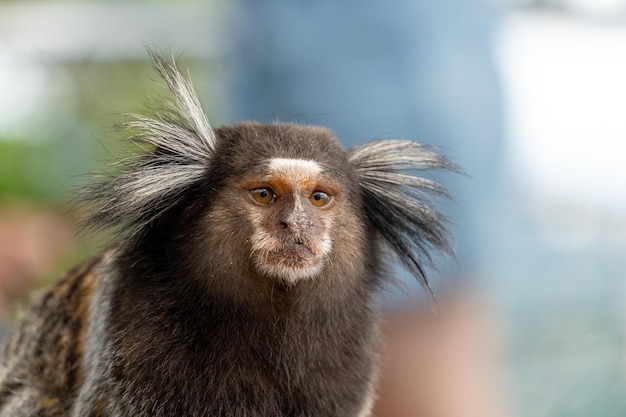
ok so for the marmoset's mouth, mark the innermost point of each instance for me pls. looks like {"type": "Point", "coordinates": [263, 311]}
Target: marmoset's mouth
{"type": "Point", "coordinates": [289, 258]}
{"type": "Point", "coordinates": [290, 263]}
{"type": "Point", "coordinates": [294, 255]}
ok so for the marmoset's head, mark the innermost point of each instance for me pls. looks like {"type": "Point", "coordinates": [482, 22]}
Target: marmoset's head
{"type": "Point", "coordinates": [277, 202]}
{"type": "Point", "coordinates": [287, 203]}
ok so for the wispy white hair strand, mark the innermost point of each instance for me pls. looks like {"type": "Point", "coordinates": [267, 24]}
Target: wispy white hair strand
{"type": "Point", "coordinates": [147, 185]}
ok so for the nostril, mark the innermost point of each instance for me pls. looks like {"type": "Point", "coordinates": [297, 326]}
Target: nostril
{"type": "Point", "coordinates": [283, 225]}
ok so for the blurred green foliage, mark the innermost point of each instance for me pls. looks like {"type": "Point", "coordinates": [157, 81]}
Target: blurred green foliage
{"type": "Point", "coordinates": [76, 134]}
{"type": "Point", "coordinates": [25, 172]}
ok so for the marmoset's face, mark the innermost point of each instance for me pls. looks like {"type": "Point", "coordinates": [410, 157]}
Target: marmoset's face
{"type": "Point", "coordinates": [282, 206]}
{"type": "Point", "coordinates": [291, 208]}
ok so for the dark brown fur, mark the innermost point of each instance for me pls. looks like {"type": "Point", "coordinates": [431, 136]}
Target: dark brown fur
{"type": "Point", "coordinates": [192, 329]}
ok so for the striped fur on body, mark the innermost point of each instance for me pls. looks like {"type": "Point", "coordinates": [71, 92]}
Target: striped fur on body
{"type": "Point", "coordinates": [42, 362]}
{"type": "Point", "coordinates": [244, 279]}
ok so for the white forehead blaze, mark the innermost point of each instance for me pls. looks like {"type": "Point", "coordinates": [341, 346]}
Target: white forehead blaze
{"type": "Point", "coordinates": [296, 169]}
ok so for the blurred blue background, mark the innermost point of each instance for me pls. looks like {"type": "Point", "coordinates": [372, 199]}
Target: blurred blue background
{"type": "Point", "coordinates": [543, 232]}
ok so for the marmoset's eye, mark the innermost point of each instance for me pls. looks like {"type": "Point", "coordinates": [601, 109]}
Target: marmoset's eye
{"type": "Point", "coordinates": [263, 195]}
{"type": "Point", "coordinates": [319, 198]}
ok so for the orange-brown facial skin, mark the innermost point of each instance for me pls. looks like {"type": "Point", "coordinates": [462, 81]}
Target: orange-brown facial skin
{"type": "Point", "coordinates": [291, 228]}
{"type": "Point", "coordinates": [288, 247]}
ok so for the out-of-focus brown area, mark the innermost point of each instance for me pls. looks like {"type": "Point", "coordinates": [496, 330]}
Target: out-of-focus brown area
{"type": "Point", "coordinates": [32, 242]}
{"type": "Point", "coordinates": [441, 364]}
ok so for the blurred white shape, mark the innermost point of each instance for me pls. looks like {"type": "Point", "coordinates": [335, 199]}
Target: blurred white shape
{"type": "Point", "coordinates": [565, 82]}
{"type": "Point", "coordinates": [106, 30]}
{"type": "Point", "coordinates": [600, 8]}
{"type": "Point", "coordinates": [23, 89]}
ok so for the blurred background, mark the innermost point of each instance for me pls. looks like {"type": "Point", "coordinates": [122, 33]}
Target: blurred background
{"type": "Point", "coordinates": [544, 231]}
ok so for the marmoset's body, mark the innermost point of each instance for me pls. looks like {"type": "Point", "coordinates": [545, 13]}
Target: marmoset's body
{"type": "Point", "coordinates": [243, 283]}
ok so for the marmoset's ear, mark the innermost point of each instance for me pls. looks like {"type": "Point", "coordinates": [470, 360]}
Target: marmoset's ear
{"type": "Point", "coordinates": [152, 182]}
{"type": "Point", "coordinates": [401, 205]}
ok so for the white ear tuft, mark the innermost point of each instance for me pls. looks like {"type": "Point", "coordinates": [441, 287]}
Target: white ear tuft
{"type": "Point", "coordinates": [151, 183]}
{"type": "Point", "coordinates": [400, 205]}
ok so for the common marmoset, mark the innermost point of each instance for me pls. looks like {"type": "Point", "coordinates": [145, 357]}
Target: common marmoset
{"type": "Point", "coordinates": [243, 281]}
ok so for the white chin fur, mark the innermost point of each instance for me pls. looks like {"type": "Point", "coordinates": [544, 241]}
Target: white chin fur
{"type": "Point", "coordinates": [289, 275]}
{"type": "Point", "coordinates": [271, 258]}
